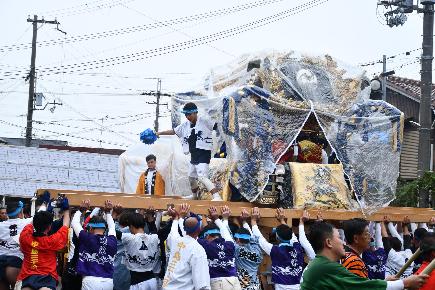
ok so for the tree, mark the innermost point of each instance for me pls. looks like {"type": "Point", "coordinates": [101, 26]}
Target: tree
{"type": "Point", "coordinates": [407, 191]}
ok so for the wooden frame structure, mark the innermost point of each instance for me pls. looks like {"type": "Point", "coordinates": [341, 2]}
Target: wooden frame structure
{"type": "Point", "coordinates": [267, 214]}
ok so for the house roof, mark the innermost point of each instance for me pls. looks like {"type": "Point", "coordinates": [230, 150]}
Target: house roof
{"type": "Point", "coordinates": [408, 87]}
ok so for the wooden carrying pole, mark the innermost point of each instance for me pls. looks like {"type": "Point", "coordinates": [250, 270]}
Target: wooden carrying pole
{"type": "Point", "coordinates": [429, 268]}
{"type": "Point", "coordinates": [267, 214]}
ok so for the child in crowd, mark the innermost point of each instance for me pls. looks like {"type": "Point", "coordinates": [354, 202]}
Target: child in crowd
{"type": "Point", "coordinates": [151, 181]}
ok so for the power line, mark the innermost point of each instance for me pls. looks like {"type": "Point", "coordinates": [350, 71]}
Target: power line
{"type": "Point", "coordinates": [107, 117]}
{"type": "Point", "coordinates": [103, 127]}
{"type": "Point", "coordinates": [142, 55]}
{"type": "Point", "coordinates": [389, 57]}
{"type": "Point", "coordinates": [94, 85]}
{"type": "Point", "coordinates": [63, 134]}
{"type": "Point", "coordinates": [138, 28]}
{"type": "Point", "coordinates": [86, 8]}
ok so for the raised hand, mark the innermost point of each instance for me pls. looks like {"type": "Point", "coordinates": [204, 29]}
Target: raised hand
{"type": "Point", "coordinates": [226, 212]}
{"type": "Point", "coordinates": [172, 212]}
{"type": "Point", "coordinates": [213, 213]}
{"type": "Point", "coordinates": [244, 215]}
{"type": "Point", "coordinates": [85, 205]}
{"type": "Point", "coordinates": [319, 216]}
{"type": "Point", "coordinates": [184, 210]}
{"type": "Point", "coordinates": [255, 214]}
{"type": "Point", "coordinates": [386, 219]}
{"type": "Point", "coordinates": [280, 216]}
{"type": "Point", "coordinates": [305, 216]}
{"type": "Point", "coordinates": [108, 206]}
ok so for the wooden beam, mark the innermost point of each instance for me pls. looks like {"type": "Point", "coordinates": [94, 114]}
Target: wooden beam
{"type": "Point", "coordinates": [268, 214]}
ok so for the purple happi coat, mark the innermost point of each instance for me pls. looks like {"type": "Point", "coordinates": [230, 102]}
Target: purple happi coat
{"type": "Point", "coordinates": [375, 262]}
{"type": "Point", "coordinates": [96, 255]}
{"type": "Point", "coordinates": [287, 264]}
{"type": "Point", "coordinates": [221, 257]}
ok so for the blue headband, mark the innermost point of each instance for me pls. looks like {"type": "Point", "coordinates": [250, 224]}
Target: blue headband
{"type": "Point", "coordinates": [188, 112]}
{"type": "Point", "coordinates": [96, 225]}
{"type": "Point", "coordinates": [242, 236]}
{"type": "Point", "coordinates": [17, 210]}
{"type": "Point", "coordinates": [283, 242]}
{"type": "Point", "coordinates": [287, 243]}
{"type": "Point", "coordinates": [190, 230]}
{"type": "Point", "coordinates": [212, 232]}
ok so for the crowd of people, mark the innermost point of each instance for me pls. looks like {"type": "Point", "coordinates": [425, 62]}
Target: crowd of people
{"type": "Point", "coordinates": [116, 248]}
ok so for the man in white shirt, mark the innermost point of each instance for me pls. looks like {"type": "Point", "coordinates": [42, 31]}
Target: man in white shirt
{"type": "Point", "coordinates": [11, 257]}
{"type": "Point", "coordinates": [196, 137]}
{"type": "Point", "coordinates": [187, 266]}
{"type": "Point", "coordinates": [142, 253]}
{"type": "Point", "coordinates": [400, 251]}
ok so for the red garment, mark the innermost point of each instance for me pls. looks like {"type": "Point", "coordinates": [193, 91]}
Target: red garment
{"type": "Point", "coordinates": [40, 252]}
{"type": "Point", "coordinates": [430, 284]}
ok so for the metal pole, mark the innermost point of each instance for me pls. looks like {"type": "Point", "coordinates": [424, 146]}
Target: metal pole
{"type": "Point", "coordinates": [384, 78]}
{"type": "Point", "coordinates": [31, 82]}
{"type": "Point", "coordinates": [425, 101]}
{"type": "Point", "coordinates": [156, 122]}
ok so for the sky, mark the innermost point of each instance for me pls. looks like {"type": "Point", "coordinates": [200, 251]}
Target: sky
{"type": "Point", "coordinates": [108, 55]}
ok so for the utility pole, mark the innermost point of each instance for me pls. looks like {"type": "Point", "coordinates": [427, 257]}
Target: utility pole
{"type": "Point", "coordinates": [159, 88]}
{"type": "Point", "coordinates": [425, 116]}
{"type": "Point", "coordinates": [158, 93]}
{"type": "Point", "coordinates": [397, 17]}
{"type": "Point", "coordinates": [31, 76]}
{"type": "Point", "coordinates": [384, 78]}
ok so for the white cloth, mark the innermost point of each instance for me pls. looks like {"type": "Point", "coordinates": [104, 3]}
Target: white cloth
{"type": "Point", "coordinates": [225, 283]}
{"type": "Point", "coordinates": [203, 128]}
{"type": "Point", "coordinates": [287, 287]}
{"type": "Point", "coordinates": [395, 285]}
{"type": "Point", "coordinates": [150, 284]}
{"type": "Point", "coordinates": [188, 266]}
{"type": "Point", "coordinates": [264, 244]}
{"type": "Point", "coordinates": [149, 181]}
{"type": "Point", "coordinates": [198, 170]}
{"type": "Point", "coordinates": [142, 252]}
{"type": "Point", "coordinates": [71, 244]}
{"type": "Point", "coordinates": [10, 231]}
{"type": "Point", "coordinates": [173, 165]}
{"type": "Point", "coordinates": [395, 262]}
{"type": "Point", "coordinates": [305, 243]}
{"type": "Point", "coordinates": [394, 233]}
{"type": "Point", "coordinates": [97, 283]}
{"type": "Point", "coordinates": [378, 236]}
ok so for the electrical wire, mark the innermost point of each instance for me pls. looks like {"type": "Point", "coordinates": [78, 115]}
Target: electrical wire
{"type": "Point", "coordinates": [145, 27]}
{"type": "Point", "coordinates": [64, 134]}
{"type": "Point", "coordinates": [179, 30]}
{"type": "Point", "coordinates": [142, 55]}
{"type": "Point", "coordinates": [93, 85]}
{"type": "Point", "coordinates": [389, 57]}
{"type": "Point", "coordinates": [85, 8]}
{"type": "Point", "coordinates": [103, 127]}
